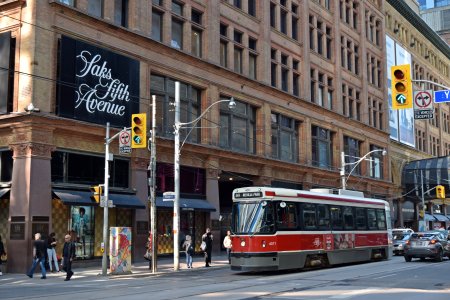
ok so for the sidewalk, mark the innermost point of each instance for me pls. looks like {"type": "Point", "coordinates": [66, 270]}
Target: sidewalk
{"type": "Point", "coordinates": [140, 268]}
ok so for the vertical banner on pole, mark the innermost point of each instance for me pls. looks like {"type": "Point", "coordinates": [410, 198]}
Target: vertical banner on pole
{"type": "Point", "coordinates": [120, 250]}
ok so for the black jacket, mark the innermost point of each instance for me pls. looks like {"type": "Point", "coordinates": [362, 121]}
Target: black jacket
{"type": "Point", "coordinates": [69, 250]}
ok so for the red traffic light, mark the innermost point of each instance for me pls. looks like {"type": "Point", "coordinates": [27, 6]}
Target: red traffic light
{"type": "Point", "coordinates": [399, 74]}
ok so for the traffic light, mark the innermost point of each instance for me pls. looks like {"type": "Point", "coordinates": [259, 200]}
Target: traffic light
{"type": "Point", "coordinates": [440, 192]}
{"type": "Point", "coordinates": [139, 130]}
{"type": "Point", "coordinates": [402, 91]}
{"type": "Point", "coordinates": [96, 193]}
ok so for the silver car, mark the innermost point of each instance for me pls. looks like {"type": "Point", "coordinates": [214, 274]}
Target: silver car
{"type": "Point", "coordinates": [433, 244]}
{"type": "Point", "coordinates": [399, 240]}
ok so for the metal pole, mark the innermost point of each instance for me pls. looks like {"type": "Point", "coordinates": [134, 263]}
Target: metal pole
{"type": "Point", "coordinates": [423, 199]}
{"type": "Point", "coordinates": [176, 202]}
{"type": "Point", "coordinates": [343, 169]}
{"type": "Point", "coordinates": [152, 187]}
{"type": "Point", "coordinates": [105, 202]}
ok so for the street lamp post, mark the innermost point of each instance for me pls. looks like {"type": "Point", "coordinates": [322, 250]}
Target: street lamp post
{"type": "Point", "coordinates": [355, 164]}
{"type": "Point", "coordinates": [176, 203]}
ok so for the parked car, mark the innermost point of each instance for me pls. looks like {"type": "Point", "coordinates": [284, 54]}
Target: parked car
{"type": "Point", "coordinates": [399, 240]}
{"type": "Point", "coordinates": [433, 244]}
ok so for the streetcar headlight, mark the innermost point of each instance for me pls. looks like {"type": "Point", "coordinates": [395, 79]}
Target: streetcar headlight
{"type": "Point", "coordinates": [263, 244]}
{"type": "Point", "coordinates": [242, 243]}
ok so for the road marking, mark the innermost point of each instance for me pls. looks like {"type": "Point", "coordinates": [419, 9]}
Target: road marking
{"type": "Point", "coordinates": [355, 293]}
{"type": "Point", "coordinates": [385, 276]}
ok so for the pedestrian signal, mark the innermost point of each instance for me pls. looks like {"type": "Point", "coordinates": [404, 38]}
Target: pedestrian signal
{"type": "Point", "coordinates": [96, 193]}
{"type": "Point", "coordinates": [402, 91]}
{"type": "Point", "coordinates": [440, 192]}
{"type": "Point", "coordinates": [139, 130]}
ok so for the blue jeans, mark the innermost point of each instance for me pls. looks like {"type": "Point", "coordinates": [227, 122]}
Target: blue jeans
{"type": "Point", "coordinates": [188, 260]}
{"type": "Point", "coordinates": [33, 267]}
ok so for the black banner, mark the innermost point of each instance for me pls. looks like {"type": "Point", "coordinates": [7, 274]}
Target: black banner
{"type": "Point", "coordinates": [96, 85]}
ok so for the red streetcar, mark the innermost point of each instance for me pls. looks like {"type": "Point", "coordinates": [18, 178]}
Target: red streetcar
{"type": "Point", "coordinates": [279, 229]}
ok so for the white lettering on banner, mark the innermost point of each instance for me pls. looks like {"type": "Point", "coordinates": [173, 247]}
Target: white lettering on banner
{"type": "Point", "coordinates": [102, 95]}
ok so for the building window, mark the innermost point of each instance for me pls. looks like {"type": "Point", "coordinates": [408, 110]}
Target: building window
{"type": "Point", "coordinates": [190, 99]}
{"type": "Point", "coordinates": [252, 56]}
{"type": "Point", "coordinates": [157, 18]}
{"type": "Point", "coordinates": [238, 59]}
{"type": "Point", "coordinates": [284, 138]}
{"type": "Point", "coordinates": [376, 162]}
{"type": "Point", "coordinates": [283, 21]}
{"type": "Point", "coordinates": [349, 55]}
{"type": "Point", "coordinates": [273, 19]}
{"type": "Point", "coordinates": [375, 112]}
{"type": "Point", "coordinates": [321, 147]}
{"type": "Point", "coordinates": [320, 36]}
{"type": "Point", "coordinates": [223, 54]}
{"type": "Point", "coordinates": [177, 8]}
{"type": "Point", "coordinates": [177, 34]}
{"type": "Point", "coordinates": [351, 101]}
{"type": "Point", "coordinates": [193, 183]}
{"type": "Point", "coordinates": [237, 127]}
{"type": "Point", "coordinates": [321, 89]}
{"type": "Point", "coordinates": [76, 168]}
{"type": "Point", "coordinates": [6, 165]}
{"type": "Point", "coordinates": [68, 2]}
{"type": "Point", "coordinates": [352, 155]}
{"type": "Point", "coordinates": [196, 33]}
{"type": "Point", "coordinates": [348, 11]}
{"type": "Point", "coordinates": [121, 12]}
{"type": "Point", "coordinates": [95, 8]}
{"type": "Point", "coordinates": [252, 7]}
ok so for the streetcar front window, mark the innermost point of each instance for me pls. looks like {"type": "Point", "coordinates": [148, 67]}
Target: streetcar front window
{"type": "Point", "coordinates": [253, 218]}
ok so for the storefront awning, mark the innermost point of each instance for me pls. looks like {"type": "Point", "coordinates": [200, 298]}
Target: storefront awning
{"type": "Point", "coordinates": [3, 192]}
{"type": "Point", "coordinates": [441, 218]}
{"type": "Point", "coordinates": [71, 197]}
{"type": "Point", "coordinates": [429, 217]}
{"type": "Point", "coordinates": [187, 203]}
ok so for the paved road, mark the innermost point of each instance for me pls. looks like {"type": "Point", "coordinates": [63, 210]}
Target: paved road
{"type": "Point", "coordinates": [394, 279]}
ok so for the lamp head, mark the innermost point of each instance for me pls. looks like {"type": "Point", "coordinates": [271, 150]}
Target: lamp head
{"type": "Point", "coordinates": [384, 152]}
{"type": "Point", "coordinates": [232, 103]}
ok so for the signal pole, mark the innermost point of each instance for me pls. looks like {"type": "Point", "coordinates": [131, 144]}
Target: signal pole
{"type": "Point", "coordinates": [105, 203]}
{"type": "Point", "coordinates": [152, 186]}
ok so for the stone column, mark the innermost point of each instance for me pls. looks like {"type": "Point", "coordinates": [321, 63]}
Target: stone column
{"type": "Point", "coordinates": [30, 201]}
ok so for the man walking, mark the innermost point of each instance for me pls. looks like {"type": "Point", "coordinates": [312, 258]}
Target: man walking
{"type": "Point", "coordinates": [208, 239]}
{"type": "Point", "coordinates": [68, 256]}
{"type": "Point", "coordinates": [39, 253]}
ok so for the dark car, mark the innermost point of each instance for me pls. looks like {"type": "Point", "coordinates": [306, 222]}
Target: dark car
{"type": "Point", "coordinates": [433, 244]}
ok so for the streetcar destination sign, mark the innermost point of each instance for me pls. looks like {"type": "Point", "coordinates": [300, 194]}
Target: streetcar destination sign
{"type": "Point", "coordinates": [248, 195]}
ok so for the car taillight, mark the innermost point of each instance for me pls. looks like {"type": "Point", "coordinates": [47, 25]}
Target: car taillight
{"type": "Point", "coordinates": [433, 242]}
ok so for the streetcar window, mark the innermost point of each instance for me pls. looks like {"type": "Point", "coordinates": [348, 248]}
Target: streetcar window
{"type": "Point", "coordinates": [336, 217]}
{"type": "Point", "coordinates": [381, 219]}
{"type": "Point", "coordinates": [253, 218]}
{"type": "Point", "coordinates": [323, 216]}
{"type": "Point", "coordinates": [309, 216]}
{"type": "Point", "coordinates": [287, 215]}
{"type": "Point", "coordinates": [349, 223]}
{"type": "Point", "coordinates": [361, 223]}
{"type": "Point", "coordinates": [372, 219]}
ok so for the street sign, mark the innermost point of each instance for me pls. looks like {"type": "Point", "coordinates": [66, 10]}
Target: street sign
{"type": "Point", "coordinates": [168, 196]}
{"type": "Point", "coordinates": [423, 105]}
{"type": "Point", "coordinates": [125, 142]}
{"type": "Point", "coordinates": [442, 96]}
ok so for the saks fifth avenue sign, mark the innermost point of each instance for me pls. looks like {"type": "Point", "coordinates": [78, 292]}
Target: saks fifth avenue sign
{"type": "Point", "coordinates": [97, 85]}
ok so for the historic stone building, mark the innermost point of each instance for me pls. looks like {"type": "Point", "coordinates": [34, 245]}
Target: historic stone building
{"type": "Point", "coordinates": [309, 79]}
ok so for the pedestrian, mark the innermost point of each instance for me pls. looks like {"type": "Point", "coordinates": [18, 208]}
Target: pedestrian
{"type": "Point", "coordinates": [208, 239]}
{"type": "Point", "coordinates": [228, 245]}
{"type": "Point", "coordinates": [188, 245]}
{"type": "Point", "coordinates": [51, 252]}
{"type": "Point", "coordinates": [2, 253]}
{"type": "Point", "coordinates": [39, 256]}
{"type": "Point", "coordinates": [68, 256]}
